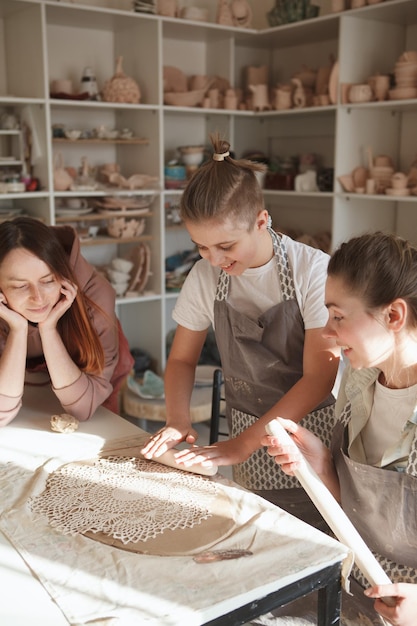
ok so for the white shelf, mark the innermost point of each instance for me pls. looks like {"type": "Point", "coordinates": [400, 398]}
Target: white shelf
{"type": "Point", "coordinates": [61, 39]}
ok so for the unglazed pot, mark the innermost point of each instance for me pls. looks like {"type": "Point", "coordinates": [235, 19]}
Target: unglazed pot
{"type": "Point", "coordinates": [380, 86]}
{"type": "Point", "coordinates": [283, 97]}
{"type": "Point", "coordinates": [360, 93]}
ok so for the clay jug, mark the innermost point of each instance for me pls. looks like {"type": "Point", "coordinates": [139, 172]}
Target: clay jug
{"type": "Point", "coordinates": [260, 99]}
{"type": "Point", "coordinates": [230, 99]}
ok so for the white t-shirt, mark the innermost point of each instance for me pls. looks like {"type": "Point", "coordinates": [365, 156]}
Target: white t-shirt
{"type": "Point", "coordinates": [257, 289]}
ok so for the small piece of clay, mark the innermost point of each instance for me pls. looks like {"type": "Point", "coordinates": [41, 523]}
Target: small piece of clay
{"type": "Point", "coordinates": [64, 423]}
{"type": "Point", "coordinates": [220, 555]}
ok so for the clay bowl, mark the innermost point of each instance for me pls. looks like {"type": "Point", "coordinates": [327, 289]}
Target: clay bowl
{"type": "Point", "coordinates": [403, 93]}
{"type": "Point", "coordinates": [184, 99]}
{"type": "Point", "coordinates": [397, 192]}
{"type": "Point", "coordinates": [347, 182]}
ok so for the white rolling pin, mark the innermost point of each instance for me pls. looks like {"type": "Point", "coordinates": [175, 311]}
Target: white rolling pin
{"type": "Point", "coordinates": [334, 515]}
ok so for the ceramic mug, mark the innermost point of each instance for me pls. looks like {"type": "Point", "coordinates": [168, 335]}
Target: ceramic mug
{"type": "Point", "coordinates": [399, 180]}
{"type": "Point", "coordinates": [77, 203]}
{"type": "Point", "coordinates": [360, 93]}
{"type": "Point", "coordinates": [62, 86]}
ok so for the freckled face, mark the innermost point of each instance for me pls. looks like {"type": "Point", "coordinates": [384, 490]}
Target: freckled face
{"type": "Point", "coordinates": [29, 286]}
{"type": "Point", "coordinates": [231, 246]}
{"type": "Point", "coordinates": [363, 336]}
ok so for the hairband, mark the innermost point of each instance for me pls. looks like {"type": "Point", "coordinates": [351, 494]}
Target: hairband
{"type": "Point", "coordinates": [220, 157]}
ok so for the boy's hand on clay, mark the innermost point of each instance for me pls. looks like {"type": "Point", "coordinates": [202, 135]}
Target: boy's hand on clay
{"type": "Point", "coordinates": [166, 438]}
{"type": "Point", "coordinates": [227, 452]}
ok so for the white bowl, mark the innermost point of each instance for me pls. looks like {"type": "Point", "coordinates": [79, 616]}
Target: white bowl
{"type": "Point", "coordinates": [73, 134]}
{"type": "Point", "coordinates": [120, 288]}
{"type": "Point", "coordinates": [192, 158]}
{"type": "Point", "coordinates": [117, 277]}
{"type": "Point", "coordinates": [122, 265]}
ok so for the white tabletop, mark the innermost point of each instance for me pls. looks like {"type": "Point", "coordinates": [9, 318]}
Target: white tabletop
{"type": "Point", "coordinates": [177, 590]}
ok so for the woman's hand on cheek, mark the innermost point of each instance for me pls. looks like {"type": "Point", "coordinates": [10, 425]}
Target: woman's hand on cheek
{"type": "Point", "coordinates": [12, 318]}
{"type": "Point", "coordinates": [68, 295]}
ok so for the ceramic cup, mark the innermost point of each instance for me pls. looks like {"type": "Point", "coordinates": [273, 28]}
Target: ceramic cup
{"type": "Point", "coordinates": [380, 86]}
{"type": "Point", "coordinates": [399, 180]}
{"type": "Point", "coordinates": [360, 93]}
{"type": "Point", "coordinates": [76, 203]}
{"type": "Point", "coordinates": [61, 86]}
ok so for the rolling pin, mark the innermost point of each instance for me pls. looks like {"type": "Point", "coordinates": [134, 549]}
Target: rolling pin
{"type": "Point", "coordinates": [333, 513]}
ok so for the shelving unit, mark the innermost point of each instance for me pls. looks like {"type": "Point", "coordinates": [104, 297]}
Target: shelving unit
{"type": "Point", "coordinates": [41, 41]}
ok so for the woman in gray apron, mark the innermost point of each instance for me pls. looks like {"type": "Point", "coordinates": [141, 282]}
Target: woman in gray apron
{"type": "Point", "coordinates": [250, 289]}
{"type": "Point", "coordinates": [371, 293]}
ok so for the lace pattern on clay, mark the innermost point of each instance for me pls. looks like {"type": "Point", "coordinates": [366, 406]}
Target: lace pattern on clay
{"type": "Point", "coordinates": [128, 499]}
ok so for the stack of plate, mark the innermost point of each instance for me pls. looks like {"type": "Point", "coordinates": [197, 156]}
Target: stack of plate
{"type": "Point", "coordinates": [144, 6]}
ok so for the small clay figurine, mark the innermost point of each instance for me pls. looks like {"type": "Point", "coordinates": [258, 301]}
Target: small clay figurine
{"type": "Point", "coordinates": [260, 98]}
{"type": "Point", "coordinates": [224, 14]}
{"type": "Point", "coordinates": [242, 13]}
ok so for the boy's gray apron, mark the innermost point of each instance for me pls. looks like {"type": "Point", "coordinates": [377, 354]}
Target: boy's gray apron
{"type": "Point", "coordinates": [261, 360]}
{"type": "Point", "coordinates": [382, 505]}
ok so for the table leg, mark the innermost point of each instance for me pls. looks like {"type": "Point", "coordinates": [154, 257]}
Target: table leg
{"type": "Point", "coordinates": [328, 583]}
{"type": "Point", "coordinates": [329, 603]}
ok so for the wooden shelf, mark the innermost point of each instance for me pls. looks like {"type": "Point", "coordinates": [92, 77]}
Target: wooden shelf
{"type": "Point", "coordinates": [132, 141]}
{"type": "Point", "coordinates": [95, 217]}
{"type": "Point", "coordinates": [102, 240]}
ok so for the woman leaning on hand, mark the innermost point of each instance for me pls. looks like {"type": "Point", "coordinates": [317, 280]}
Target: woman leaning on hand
{"type": "Point", "coordinates": [57, 316]}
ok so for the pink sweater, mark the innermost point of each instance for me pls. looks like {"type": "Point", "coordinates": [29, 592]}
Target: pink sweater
{"type": "Point", "coordinates": [88, 392]}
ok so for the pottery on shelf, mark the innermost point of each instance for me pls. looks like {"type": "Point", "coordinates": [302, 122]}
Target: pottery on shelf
{"type": "Point", "coordinates": [121, 88]}
{"type": "Point", "coordinates": [241, 13]}
{"type": "Point", "coordinates": [73, 134]}
{"type": "Point", "coordinates": [260, 97]}
{"type": "Point", "coordinates": [167, 8]}
{"type": "Point", "coordinates": [224, 13]}
{"type": "Point", "coordinates": [282, 97]}
{"type": "Point", "coordinates": [122, 227]}
{"type": "Point", "coordinates": [360, 93]}
{"type": "Point", "coordinates": [307, 76]}
{"type": "Point", "coordinates": [380, 85]}
{"type": "Point", "coordinates": [302, 96]}
{"type": "Point", "coordinates": [191, 155]}
{"type": "Point", "coordinates": [174, 79]}
{"type": "Point", "coordinates": [62, 179]}
{"type": "Point", "coordinates": [122, 265]}
{"type": "Point", "coordinates": [399, 180]}
{"type": "Point", "coordinates": [185, 99]}
{"type": "Point", "coordinates": [196, 14]}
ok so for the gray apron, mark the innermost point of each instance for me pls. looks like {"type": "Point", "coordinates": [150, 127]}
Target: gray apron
{"type": "Point", "coordinates": [261, 360]}
{"type": "Point", "coordinates": [370, 495]}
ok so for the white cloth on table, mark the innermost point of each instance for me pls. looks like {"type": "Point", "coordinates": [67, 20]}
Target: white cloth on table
{"type": "Point", "coordinates": [91, 582]}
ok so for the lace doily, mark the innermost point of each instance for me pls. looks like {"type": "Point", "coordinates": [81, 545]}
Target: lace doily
{"type": "Point", "coordinates": [135, 504]}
